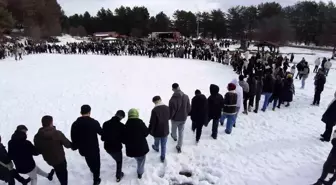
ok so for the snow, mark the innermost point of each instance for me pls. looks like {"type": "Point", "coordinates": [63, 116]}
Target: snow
{"type": "Point", "coordinates": [67, 39]}
{"type": "Point", "coordinates": [272, 148]}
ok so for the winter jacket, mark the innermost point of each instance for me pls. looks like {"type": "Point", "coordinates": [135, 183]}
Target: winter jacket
{"type": "Point", "coordinates": [179, 106]}
{"type": "Point", "coordinates": [320, 80]}
{"type": "Point", "coordinates": [199, 109]}
{"type": "Point", "coordinates": [288, 90]}
{"type": "Point", "coordinates": [159, 121]}
{"type": "Point", "coordinates": [215, 103]}
{"type": "Point", "coordinates": [277, 88]}
{"type": "Point", "coordinates": [21, 151]}
{"type": "Point", "coordinates": [245, 86]}
{"type": "Point", "coordinates": [49, 142]}
{"type": "Point", "coordinates": [252, 86]}
{"type": "Point", "coordinates": [305, 71]}
{"type": "Point", "coordinates": [230, 103]}
{"type": "Point", "coordinates": [328, 65]}
{"type": "Point", "coordinates": [84, 135]}
{"type": "Point", "coordinates": [5, 162]}
{"type": "Point", "coordinates": [268, 84]}
{"type": "Point", "coordinates": [318, 62]}
{"type": "Point", "coordinates": [135, 134]}
{"type": "Point", "coordinates": [112, 135]}
{"type": "Point", "coordinates": [239, 91]}
{"type": "Point", "coordinates": [329, 117]}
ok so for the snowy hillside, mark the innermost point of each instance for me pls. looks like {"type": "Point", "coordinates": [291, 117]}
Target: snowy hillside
{"type": "Point", "coordinates": [272, 148]}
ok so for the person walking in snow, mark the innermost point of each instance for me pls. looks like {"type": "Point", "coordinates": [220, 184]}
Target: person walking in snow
{"type": "Point", "coordinates": [215, 105]}
{"type": "Point", "coordinates": [230, 107]}
{"type": "Point", "coordinates": [259, 88]}
{"type": "Point", "coordinates": [179, 108]}
{"type": "Point", "coordinates": [300, 67]}
{"type": "Point", "coordinates": [329, 166]}
{"type": "Point", "coordinates": [288, 90]}
{"type": "Point", "coordinates": [327, 67]}
{"type": "Point", "coordinates": [323, 63]}
{"type": "Point", "coordinates": [135, 134]}
{"type": "Point", "coordinates": [320, 80]}
{"type": "Point", "coordinates": [7, 171]}
{"type": "Point", "coordinates": [251, 80]}
{"type": "Point", "coordinates": [292, 71]}
{"type": "Point", "coordinates": [112, 136]}
{"type": "Point", "coordinates": [246, 90]}
{"type": "Point", "coordinates": [268, 87]}
{"type": "Point", "coordinates": [84, 133]}
{"type": "Point", "coordinates": [278, 85]}
{"type": "Point", "coordinates": [199, 113]}
{"type": "Point", "coordinates": [159, 126]}
{"type": "Point", "coordinates": [50, 142]}
{"type": "Point", "coordinates": [317, 64]}
{"type": "Point", "coordinates": [285, 65]}
{"type": "Point", "coordinates": [305, 74]}
{"type": "Point", "coordinates": [240, 95]}
{"type": "Point", "coordinates": [292, 58]}
{"type": "Point", "coordinates": [21, 151]}
{"type": "Point", "coordinates": [329, 118]}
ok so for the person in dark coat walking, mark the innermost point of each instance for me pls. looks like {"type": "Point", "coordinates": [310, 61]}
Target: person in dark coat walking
{"type": "Point", "coordinates": [292, 58]}
{"type": "Point", "coordinates": [7, 171]}
{"type": "Point", "coordinates": [259, 88]}
{"type": "Point", "coordinates": [329, 118]}
{"type": "Point", "coordinates": [84, 133]}
{"type": "Point", "coordinates": [320, 80]}
{"type": "Point", "coordinates": [329, 166]}
{"type": "Point", "coordinates": [135, 134]}
{"type": "Point", "coordinates": [159, 126]}
{"type": "Point", "coordinates": [21, 151]}
{"type": "Point", "coordinates": [199, 113]}
{"type": "Point", "coordinates": [288, 90]}
{"type": "Point", "coordinates": [277, 92]}
{"type": "Point", "coordinates": [251, 80]}
{"type": "Point", "coordinates": [268, 87]}
{"type": "Point", "coordinates": [112, 137]}
{"type": "Point", "coordinates": [215, 104]}
{"type": "Point", "coordinates": [49, 142]}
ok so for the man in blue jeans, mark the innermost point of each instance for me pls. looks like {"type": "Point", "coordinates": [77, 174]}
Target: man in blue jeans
{"type": "Point", "coordinates": [230, 107]}
{"type": "Point", "coordinates": [267, 89]}
{"type": "Point", "coordinates": [159, 126]}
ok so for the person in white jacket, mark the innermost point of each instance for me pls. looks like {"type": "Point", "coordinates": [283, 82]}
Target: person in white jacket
{"type": "Point", "coordinates": [239, 91]}
{"type": "Point", "coordinates": [327, 66]}
{"type": "Point", "coordinates": [317, 64]}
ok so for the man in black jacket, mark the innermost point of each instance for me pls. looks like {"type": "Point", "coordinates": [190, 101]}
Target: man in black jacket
{"type": "Point", "coordinates": [199, 113]}
{"type": "Point", "coordinates": [21, 151]}
{"type": "Point", "coordinates": [84, 138]}
{"type": "Point", "coordinates": [329, 118]}
{"type": "Point", "coordinates": [215, 104]}
{"type": "Point", "coordinates": [112, 137]}
{"type": "Point", "coordinates": [159, 126]}
{"type": "Point", "coordinates": [7, 172]}
{"type": "Point", "coordinates": [320, 80]}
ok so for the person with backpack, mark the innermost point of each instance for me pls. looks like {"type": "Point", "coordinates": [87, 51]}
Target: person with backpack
{"type": "Point", "coordinates": [199, 113]}
{"type": "Point", "coordinates": [21, 151]}
{"type": "Point", "coordinates": [179, 108]}
{"type": "Point", "coordinates": [159, 126]}
{"type": "Point", "coordinates": [112, 136]}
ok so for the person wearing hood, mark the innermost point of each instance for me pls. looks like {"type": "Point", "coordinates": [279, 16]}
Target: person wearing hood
{"type": "Point", "coordinates": [179, 109]}
{"type": "Point", "coordinates": [317, 64]}
{"type": "Point", "coordinates": [320, 80]}
{"type": "Point", "coordinates": [268, 86]}
{"type": "Point", "coordinates": [21, 151]}
{"type": "Point", "coordinates": [159, 126]}
{"type": "Point", "coordinates": [288, 90]}
{"type": "Point", "coordinates": [329, 166]}
{"type": "Point", "coordinates": [50, 142]}
{"type": "Point", "coordinates": [112, 137]}
{"type": "Point", "coordinates": [239, 91]}
{"type": "Point", "coordinates": [329, 118]}
{"type": "Point", "coordinates": [246, 90]}
{"type": "Point", "coordinates": [215, 105]}
{"type": "Point", "coordinates": [135, 134]}
{"type": "Point", "coordinates": [199, 113]}
{"type": "Point", "coordinates": [84, 133]}
{"type": "Point", "coordinates": [230, 107]}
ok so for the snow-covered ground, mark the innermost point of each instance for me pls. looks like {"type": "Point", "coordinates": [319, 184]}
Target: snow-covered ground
{"type": "Point", "coordinates": [272, 148]}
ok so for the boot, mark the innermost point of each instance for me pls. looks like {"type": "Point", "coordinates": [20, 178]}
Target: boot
{"type": "Point", "coordinates": [121, 176]}
{"type": "Point", "coordinates": [51, 174]}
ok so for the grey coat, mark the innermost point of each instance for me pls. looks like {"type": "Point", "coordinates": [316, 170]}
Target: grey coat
{"type": "Point", "coordinates": [245, 86]}
{"type": "Point", "coordinates": [179, 106]}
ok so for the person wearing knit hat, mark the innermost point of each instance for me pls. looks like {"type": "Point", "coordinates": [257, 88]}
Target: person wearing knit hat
{"type": "Point", "coordinates": [230, 107]}
{"type": "Point", "coordinates": [135, 134]}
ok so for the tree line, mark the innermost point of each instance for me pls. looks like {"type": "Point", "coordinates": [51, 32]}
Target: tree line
{"type": "Point", "coordinates": [305, 22]}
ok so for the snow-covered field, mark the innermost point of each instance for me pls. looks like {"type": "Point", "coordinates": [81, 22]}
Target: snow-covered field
{"type": "Point", "coordinates": [272, 148]}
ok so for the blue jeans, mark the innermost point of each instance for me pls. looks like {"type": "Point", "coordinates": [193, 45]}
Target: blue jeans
{"type": "Point", "coordinates": [229, 124]}
{"type": "Point", "coordinates": [163, 141]}
{"type": "Point", "coordinates": [303, 82]}
{"type": "Point", "coordinates": [275, 102]}
{"type": "Point", "coordinates": [223, 117]}
{"type": "Point", "coordinates": [266, 101]}
{"type": "Point", "coordinates": [141, 164]}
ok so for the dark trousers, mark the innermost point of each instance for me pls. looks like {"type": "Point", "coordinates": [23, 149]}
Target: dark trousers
{"type": "Point", "coordinates": [118, 157]}
{"type": "Point", "coordinates": [328, 131]}
{"type": "Point", "coordinates": [317, 97]}
{"type": "Point", "coordinates": [246, 97]}
{"type": "Point", "coordinates": [62, 173]}
{"type": "Point", "coordinates": [93, 162]}
{"type": "Point", "coordinates": [257, 98]}
{"type": "Point", "coordinates": [316, 69]}
{"type": "Point", "coordinates": [198, 128]}
{"type": "Point", "coordinates": [251, 100]}
{"type": "Point", "coordinates": [327, 168]}
{"type": "Point", "coordinates": [12, 175]}
{"type": "Point", "coordinates": [215, 123]}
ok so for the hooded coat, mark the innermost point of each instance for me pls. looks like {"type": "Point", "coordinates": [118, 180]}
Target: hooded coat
{"type": "Point", "coordinates": [288, 90]}
{"type": "Point", "coordinates": [239, 91]}
{"type": "Point", "coordinates": [215, 103]}
{"type": "Point", "coordinates": [21, 151]}
{"type": "Point", "coordinates": [179, 106]}
{"type": "Point", "coordinates": [199, 109]}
